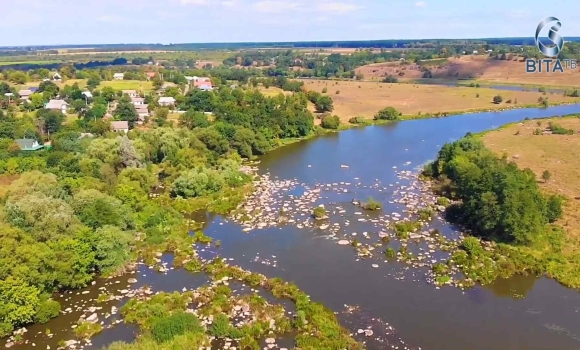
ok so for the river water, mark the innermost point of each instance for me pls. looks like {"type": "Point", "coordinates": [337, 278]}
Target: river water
{"type": "Point", "coordinates": [517, 313]}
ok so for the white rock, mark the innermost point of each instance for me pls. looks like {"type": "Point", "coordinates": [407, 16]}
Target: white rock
{"type": "Point", "coordinates": [343, 242]}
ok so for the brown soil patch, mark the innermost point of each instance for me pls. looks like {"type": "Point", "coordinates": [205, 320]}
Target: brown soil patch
{"type": "Point", "coordinates": [367, 98]}
{"type": "Point", "coordinates": [475, 67]}
{"type": "Point", "coordinates": [5, 182]}
{"type": "Point", "coordinates": [559, 154]}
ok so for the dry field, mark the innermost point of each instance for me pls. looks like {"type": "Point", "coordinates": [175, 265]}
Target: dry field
{"type": "Point", "coordinates": [367, 98]}
{"type": "Point", "coordinates": [477, 67]}
{"type": "Point", "coordinates": [559, 154]}
{"type": "Point", "coordinates": [273, 91]}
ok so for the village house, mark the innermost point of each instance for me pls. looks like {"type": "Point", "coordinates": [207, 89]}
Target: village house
{"type": "Point", "coordinates": [118, 76]}
{"type": "Point", "coordinates": [25, 94]}
{"type": "Point", "coordinates": [150, 75]}
{"type": "Point", "coordinates": [120, 126]}
{"type": "Point", "coordinates": [205, 87]}
{"type": "Point", "coordinates": [88, 94]}
{"type": "Point", "coordinates": [199, 81]}
{"type": "Point", "coordinates": [131, 93]}
{"type": "Point", "coordinates": [57, 105]}
{"type": "Point", "coordinates": [166, 101]}
{"type": "Point", "coordinates": [137, 101]}
{"type": "Point", "coordinates": [28, 144]}
{"type": "Point", "coordinates": [142, 112]}
{"type": "Point", "coordinates": [56, 77]}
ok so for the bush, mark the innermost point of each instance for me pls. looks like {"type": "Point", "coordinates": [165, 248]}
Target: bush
{"type": "Point", "coordinates": [220, 327]}
{"type": "Point", "coordinates": [391, 79]}
{"type": "Point", "coordinates": [554, 208]}
{"type": "Point", "coordinates": [497, 99]}
{"type": "Point", "coordinates": [165, 329]}
{"type": "Point", "coordinates": [330, 122]}
{"type": "Point", "coordinates": [371, 204]}
{"type": "Point", "coordinates": [389, 113]}
{"type": "Point", "coordinates": [46, 310]}
{"type": "Point", "coordinates": [319, 212]}
{"type": "Point", "coordinates": [357, 120]}
{"type": "Point", "coordinates": [472, 246]}
{"type": "Point", "coordinates": [390, 252]}
{"type": "Point", "coordinates": [559, 130]}
{"type": "Point", "coordinates": [337, 92]}
{"type": "Point", "coordinates": [324, 90]}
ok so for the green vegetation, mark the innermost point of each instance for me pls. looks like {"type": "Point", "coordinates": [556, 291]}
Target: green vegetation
{"type": "Point", "coordinates": [319, 212]}
{"type": "Point", "coordinates": [85, 329]}
{"type": "Point", "coordinates": [502, 204]}
{"type": "Point", "coordinates": [330, 122]}
{"type": "Point", "coordinates": [403, 228]}
{"type": "Point", "coordinates": [166, 318]}
{"type": "Point", "coordinates": [559, 130]}
{"type": "Point", "coordinates": [389, 113]}
{"type": "Point", "coordinates": [497, 99]}
{"type": "Point", "coordinates": [371, 204]}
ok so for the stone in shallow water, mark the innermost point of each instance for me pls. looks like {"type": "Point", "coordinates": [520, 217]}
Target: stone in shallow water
{"type": "Point", "coordinates": [343, 242]}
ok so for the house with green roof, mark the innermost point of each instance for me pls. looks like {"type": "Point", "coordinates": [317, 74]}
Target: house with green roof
{"type": "Point", "coordinates": [28, 144]}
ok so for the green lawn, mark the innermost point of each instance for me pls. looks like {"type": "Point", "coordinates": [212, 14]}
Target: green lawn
{"type": "Point", "coordinates": [145, 86]}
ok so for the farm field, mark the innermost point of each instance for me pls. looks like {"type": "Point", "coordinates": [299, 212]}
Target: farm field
{"type": "Point", "coordinates": [481, 68]}
{"type": "Point", "coordinates": [8, 63]}
{"type": "Point", "coordinates": [545, 152]}
{"type": "Point", "coordinates": [367, 98]}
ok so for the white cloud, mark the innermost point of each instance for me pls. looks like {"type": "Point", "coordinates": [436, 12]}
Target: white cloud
{"type": "Point", "coordinates": [194, 2]}
{"type": "Point", "coordinates": [229, 3]}
{"type": "Point", "coordinates": [275, 6]}
{"type": "Point", "coordinates": [109, 18]}
{"type": "Point", "coordinates": [338, 7]}
{"type": "Point", "coordinates": [420, 4]}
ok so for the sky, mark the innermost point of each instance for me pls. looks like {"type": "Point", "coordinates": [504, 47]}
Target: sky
{"type": "Point", "coordinates": [74, 22]}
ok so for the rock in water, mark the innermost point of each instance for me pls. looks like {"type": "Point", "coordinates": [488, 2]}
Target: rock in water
{"type": "Point", "coordinates": [343, 242]}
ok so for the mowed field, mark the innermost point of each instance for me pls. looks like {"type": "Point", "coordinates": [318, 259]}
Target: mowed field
{"type": "Point", "coordinates": [367, 98]}
{"type": "Point", "coordinates": [480, 68]}
{"type": "Point", "coordinates": [139, 85]}
{"type": "Point", "coordinates": [559, 154]}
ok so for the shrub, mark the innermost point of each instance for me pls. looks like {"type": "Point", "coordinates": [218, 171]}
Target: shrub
{"type": "Point", "coordinates": [389, 113]}
{"type": "Point", "coordinates": [165, 329]}
{"type": "Point", "coordinates": [559, 130]}
{"type": "Point", "coordinates": [472, 246]}
{"type": "Point", "coordinates": [86, 330]}
{"type": "Point", "coordinates": [330, 122]}
{"type": "Point", "coordinates": [390, 252]}
{"type": "Point", "coordinates": [443, 201]}
{"type": "Point", "coordinates": [319, 212]}
{"type": "Point", "coordinates": [554, 208]}
{"type": "Point", "coordinates": [371, 204]}
{"type": "Point", "coordinates": [46, 310]}
{"type": "Point", "coordinates": [425, 214]}
{"type": "Point", "coordinates": [391, 79]}
{"type": "Point", "coordinates": [546, 175]}
{"type": "Point", "coordinates": [357, 120]}
{"type": "Point", "coordinates": [220, 327]}
{"type": "Point", "coordinates": [403, 228]}
{"type": "Point", "coordinates": [497, 99]}
{"type": "Point", "coordinates": [324, 90]}
{"type": "Point", "coordinates": [337, 92]}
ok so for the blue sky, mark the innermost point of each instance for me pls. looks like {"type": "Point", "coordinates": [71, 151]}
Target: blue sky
{"type": "Point", "coordinates": [58, 22]}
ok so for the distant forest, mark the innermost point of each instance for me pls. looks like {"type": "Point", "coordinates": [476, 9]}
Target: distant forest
{"type": "Point", "coordinates": [410, 43]}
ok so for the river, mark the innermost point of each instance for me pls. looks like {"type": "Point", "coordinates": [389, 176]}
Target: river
{"type": "Point", "coordinates": [517, 313]}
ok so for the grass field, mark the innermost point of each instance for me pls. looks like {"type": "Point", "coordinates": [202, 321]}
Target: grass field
{"type": "Point", "coordinates": [481, 68]}
{"type": "Point", "coordinates": [145, 86]}
{"type": "Point", "coordinates": [366, 98]}
{"type": "Point", "coordinates": [7, 63]}
{"type": "Point", "coordinates": [559, 154]}
{"type": "Point", "coordinates": [273, 91]}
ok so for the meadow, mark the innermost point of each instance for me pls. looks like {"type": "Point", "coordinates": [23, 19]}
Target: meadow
{"type": "Point", "coordinates": [367, 98]}
{"type": "Point", "coordinates": [480, 68]}
{"type": "Point", "coordinates": [557, 154]}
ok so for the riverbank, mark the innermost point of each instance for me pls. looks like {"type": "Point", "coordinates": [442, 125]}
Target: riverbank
{"type": "Point", "coordinates": [554, 250]}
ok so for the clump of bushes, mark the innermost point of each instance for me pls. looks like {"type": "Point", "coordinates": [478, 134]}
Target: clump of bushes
{"type": "Point", "coordinates": [357, 120]}
{"type": "Point", "coordinates": [403, 228]}
{"type": "Point", "coordinates": [330, 122]}
{"type": "Point", "coordinates": [390, 252]}
{"type": "Point", "coordinates": [389, 113]}
{"type": "Point", "coordinates": [85, 329]}
{"type": "Point", "coordinates": [319, 213]}
{"type": "Point", "coordinates": [391, 79]}
{"type": "Point", "coordinates": [497, 99]}
{"type": "Point", "coordinates": [371, 204]}
{"type": "Point", "coordinates": [180, 322]}
{"type": "Point", "coordinates": [46, 310]}
{"type": "Point", "coordinates": [559, 130]}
